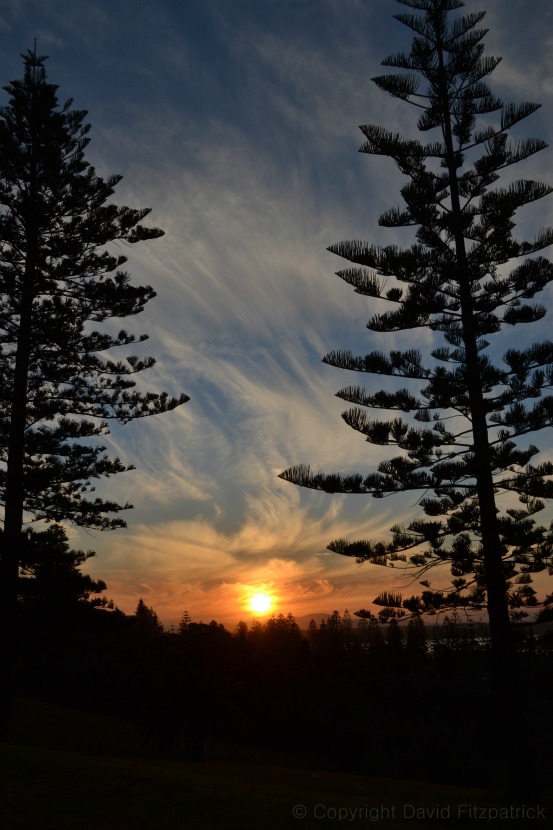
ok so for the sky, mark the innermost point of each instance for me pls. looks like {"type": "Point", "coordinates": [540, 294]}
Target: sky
{"type": "Point", "coordinates": [237, 122]}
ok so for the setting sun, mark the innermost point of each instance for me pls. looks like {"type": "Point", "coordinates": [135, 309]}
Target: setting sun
{"type": "Point", "coordinates": [260, 603]}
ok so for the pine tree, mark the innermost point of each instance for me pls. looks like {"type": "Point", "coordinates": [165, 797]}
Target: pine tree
{"type": "Point", "coordinates": [147, 620]}
{"type": "Point", "coordinates": [312, 633]}
{"type": "Point", "coordinates": [466, 409]}
{"type": "Point", "coordinates": [50, 573]}
{"type": "Point", "coordinates": [184, 623]}
{"type": "Point", "coordinates": [347, 630]}
{"type": "Point", "coordinates": [374, 637]}
{"type": "Point", "coordinates": [60, 383]}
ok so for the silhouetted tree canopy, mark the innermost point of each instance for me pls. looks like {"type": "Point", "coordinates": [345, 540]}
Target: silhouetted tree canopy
{"type": "Point", "coordinates": [462, 422]}
{"type": "Point", "coordinates": [50, 571]}
{"type": "Point", "coordinates": [147, 620]}
{"type": "Point", "coordinates": [63, 291]}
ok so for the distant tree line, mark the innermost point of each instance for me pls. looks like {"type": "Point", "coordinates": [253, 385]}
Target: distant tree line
{"type": "Point", "coordinates": [399, 698]}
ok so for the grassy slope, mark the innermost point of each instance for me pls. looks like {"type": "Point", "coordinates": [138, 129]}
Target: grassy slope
{"type": "Point", "coordinates": [68, 770]}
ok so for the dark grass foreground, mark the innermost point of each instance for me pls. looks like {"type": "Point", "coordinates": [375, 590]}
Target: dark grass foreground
{"type": "Point", "coordinates": [68, 770]}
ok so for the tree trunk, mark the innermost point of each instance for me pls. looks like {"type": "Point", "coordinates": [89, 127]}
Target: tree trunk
{"type": "Point", "coordinates": [503, 683]}
{"type": "Point", "coordinates": [496, 586]}
{"type": "Point", "coordinates": [13, 514]}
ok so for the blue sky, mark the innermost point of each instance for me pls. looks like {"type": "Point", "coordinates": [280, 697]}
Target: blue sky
{"type": "Point", "coordinates": [236, 121]}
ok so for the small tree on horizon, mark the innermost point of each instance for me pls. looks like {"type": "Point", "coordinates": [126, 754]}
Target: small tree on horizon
{"type": "Point", "coordinates": [184, 623]}
{"type": "Point", "coordinates": [147, 620]}
{"type": "Point", "coordinates": [462, 443]}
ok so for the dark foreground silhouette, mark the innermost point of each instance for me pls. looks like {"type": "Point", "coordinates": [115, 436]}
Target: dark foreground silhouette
{"type": "Point", "coordinates": [412, 702]}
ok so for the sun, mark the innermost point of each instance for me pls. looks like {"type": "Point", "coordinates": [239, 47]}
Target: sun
{"type": "Point", "coordinates": [260, 603]}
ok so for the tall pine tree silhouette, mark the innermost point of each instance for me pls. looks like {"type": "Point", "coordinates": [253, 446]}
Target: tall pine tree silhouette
{"type": "Point", "coordinates": [59, 381]}
{"type": "Point", "coordinates": [468, 411]}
